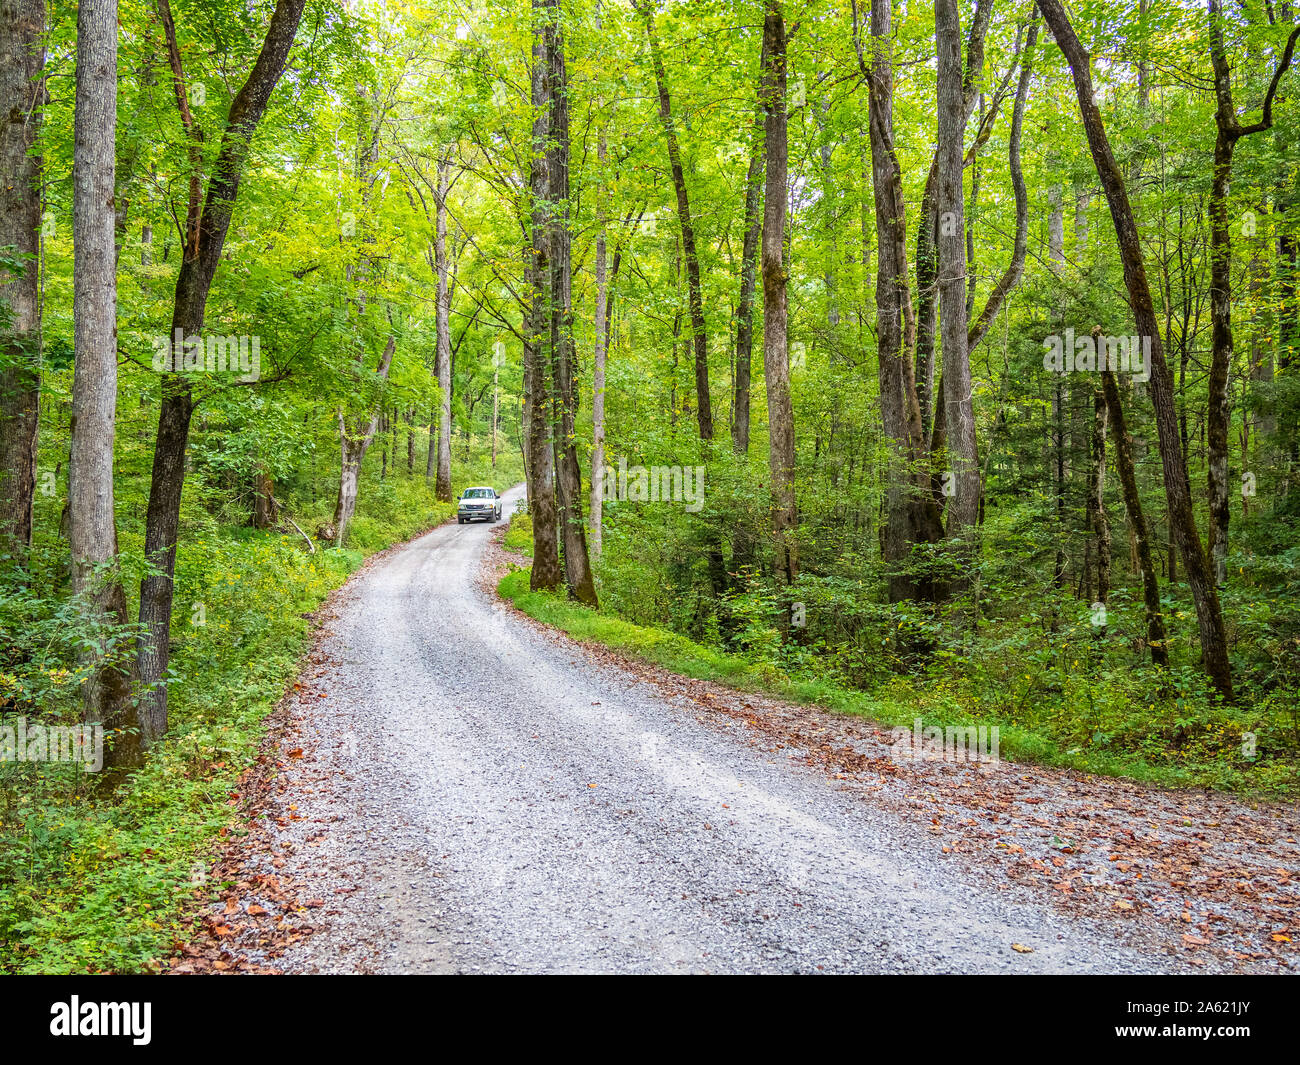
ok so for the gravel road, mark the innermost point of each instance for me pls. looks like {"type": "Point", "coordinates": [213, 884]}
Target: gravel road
{"type": "Point", "coordinates": [480, 795]}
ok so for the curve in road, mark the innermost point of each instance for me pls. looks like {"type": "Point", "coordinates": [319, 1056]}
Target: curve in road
{"type": "Point", "coordinates": [497, 799]}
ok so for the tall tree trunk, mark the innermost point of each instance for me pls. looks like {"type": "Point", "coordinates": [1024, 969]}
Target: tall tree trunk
{"type": "Point", "coordinates": [431, 457]}
{"type": "Point", "coordinates": [776, 360]}
{"type": "Point", "coordinates": [1055, 217]}
{"type": "Point", "coordinates": [1058, 480]}
{"type": "Point", "coordinates": [353, 445]}
{"type": "Point", "coordinates": [927, 311]}
{"type": "Point", "coordinates": [748, 271]}
{"type": "Point", "coordinates": [203, 250]}
{"type": "Point", "coordinates": [22, 103]}
{"type": "Point", "coordinates": [92, 528]}
{"type": "Point", "coordinates": [1219, 412]}
{"type": "Point", "coordinates": [695, 297]}
{"type": "Point", "coordinates": [1098, 521]}
{"type": "Point", "coordinates": [546, 572]}
{"type": "Point", "coordinates": [911, 515]}
{"type": "Point", "coordinates": [1214, 643]}
{"type": "Point", "coordinates": [972, 218]}
{"type": "Point", "coordinates": [1060, 399]}
{"type": "Point", "coordinates": [959, 415]}
{"type": "Point", "coordinates": [831, 199]}
{"type": "Point", "coordinates": [1081, 201]}
{"type": "Point", "coordinates": [1011, 277]}
{"type": "Point", "coordinates": [927, 261]}
{"type": "Point", "coordinates": [266, 511]}
{"type": "Point", "coordinates": [442, 361]}
{"type": "Point", "coordinates": [1157, 641]}
{"type": "Point", "coordinates": [1228, 132]}
{"type": "Point", "coordinates": [408, 416]}
{"type": "Point", "coordinates": [598, 361]}
{"type": "Point", "coordinates": [568, 472]}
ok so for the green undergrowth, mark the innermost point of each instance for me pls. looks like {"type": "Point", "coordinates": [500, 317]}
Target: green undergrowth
{"type": "Point", "coordinates": [98, 882]}
{"type": "Point", "coordinates": [519, 534]}
{"type": "Point", "coordinates": [893, 704]}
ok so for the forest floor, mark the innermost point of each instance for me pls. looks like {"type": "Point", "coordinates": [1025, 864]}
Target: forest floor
{"type": "Point", "coordinates": [452, 787]}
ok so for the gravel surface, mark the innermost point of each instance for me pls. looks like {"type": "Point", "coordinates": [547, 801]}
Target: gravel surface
{"type": "Point", "coordinates": [462, 791]}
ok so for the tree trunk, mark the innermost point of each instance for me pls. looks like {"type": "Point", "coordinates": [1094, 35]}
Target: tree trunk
{"type": "Point", "coordinates": [1214, 643]}
{"type": "Point", "coordinates": [409, 418]}
{"type": "Point", "coordinates": [22, 103]}
{"type": "Point", "coordinates": [911, 515]}
{"type": "Point", "coordinates": [442, 487]}
{"type": "Point", "coordinates": [202, 255]}
{"type": "Point", "coordinates": [353, 445]}
{"type": "Point", "coordinates": [1099, 523]}
{"type": "Point", "coordinates": [546, 573]}
{"type": "Point", "coordinates": [748, 272]}
{"type": "Point", "coordinates": [92, 528]}
{"type": "Point", "coordinates": [1055, 217]}
{"type": "Point", "coordinates": [1228, 131]}
{"type": "Point", "coordinates": [265, 510]}
{"type": "Point", "coordinates": [1058, 454]}
{"type": "Point", "coordinates": [1011, 277]}
{"type": "Point", "coordinates": [598, 363]}
{"type": "Point", "coordinates": [776, 362]}
{"type": "Point", "coordinates": [568, 472]}
{"type": "Point", "coordinates": [1157, 641]}
{"type": "Point", "coordinates": [927, 263]}
{"type": "Point", "coordinates": [431, 458]}
{"type": "Point", "coordinates": [959, 415]}
{"type": "Point", "coordinates": [695, 298]}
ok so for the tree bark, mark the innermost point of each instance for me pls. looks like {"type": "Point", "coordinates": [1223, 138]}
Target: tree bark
{"type": "Point", "coordinates": [568, 472]}
{"type": "Point", "coordinates": [266, 511]}
{"type": "Point", "coordinates": [1157, 641]}
{"type": "Point", "coordinates": [1098, 522]}
{"type": "Point", "coordinates": [776, 360]}
{"type": "Point", "coordinates": [199, 264]}
{"type": "Point", "coordinates": [1011, 277]}
{"type": "Point", "coordinates": [1214, 643]}
{"type": "Point", "coordinates": [546, 571]}
{"type": "Point", "coordinates": [598, 361]}
{"type": "Point", "coordinates": [695, 298]}
{"type": "Point", "coordinates": [927, 263]}
{"type": "Point", "coordinates": [431, 458]}
{"type": "Point", "coordinates": [959, 415]}
{"type": "Point", "coordinates": [353, 446]}
{"type": "Point", "coordinates": [748, 271]}
{"type": "Point", "coordinates": [442, 361]}
{"type": "Point", "coordinates": [911, 515]}
{"type": "Point", "coordinates": [1228, 132]}
{"type": "Point", "coordinates": [92, 528]}
{"type": "Point", "coordinates": [22, 104]}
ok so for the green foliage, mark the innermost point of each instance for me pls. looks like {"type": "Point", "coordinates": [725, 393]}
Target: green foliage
{"type": "Point", "coordinates": [93, 881]}
{"type": "Point", "coordinates": [330, 254]}
{"type": "Point", "coordinates": [519, 534]}
{"type": "Point", "coordinates": [1070, 714]}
